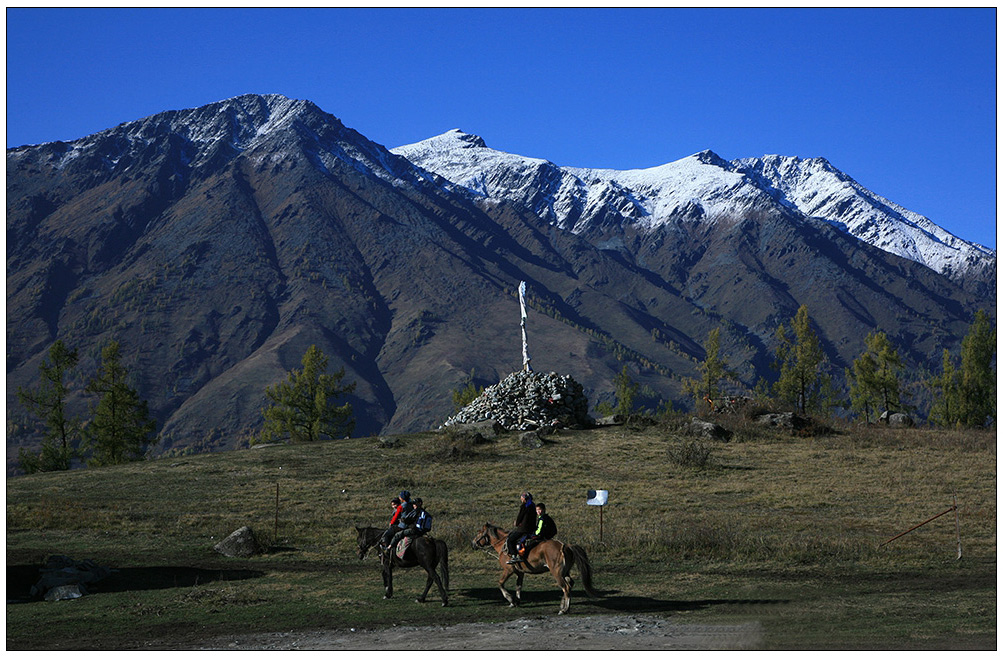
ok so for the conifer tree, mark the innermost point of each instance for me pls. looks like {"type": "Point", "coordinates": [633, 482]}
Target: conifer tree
{"type": "Point", "coordinates": [800, 360]}
{"type": "Point", "coordinates": [946, 394]}
{"type": "Point", "coordinates": [48, 402]}
{"type": "Point", "coordinates": [121, 428]}
{"type": "Point", "coordinates": [302, 408]}
{"type": "Point", "coordinates": [978, 378]}
{"type": "Point", "coordinates": [874, 380]}
{"type": "Point", "coordinates": [626, 391]}
{"type": "Point", "coordinates": [707, 389]}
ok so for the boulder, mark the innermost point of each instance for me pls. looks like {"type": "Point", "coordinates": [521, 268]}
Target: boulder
{"type": "Point", "coordinates": [707, 430]}
{"type": "Point", "coordinates": [787, 421]}
{"type": "Point", "coordinates": [477, 432]}
{"type": "Point", "coordinates": [530, 440]}
{"type": "Point", "coordinates": [240, 543]}
{"type": "Point", "coordinates": [65, 593]}
{"type": "Point", "coordinates": [897, 419]}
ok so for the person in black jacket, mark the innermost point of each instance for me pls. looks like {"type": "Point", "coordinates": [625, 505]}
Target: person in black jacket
{"type": "Point", "coordinates": [545, 527]}
{"type": "Point", "coordinates": [525, 524]}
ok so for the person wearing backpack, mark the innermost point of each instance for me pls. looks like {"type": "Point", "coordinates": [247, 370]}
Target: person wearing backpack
{"type": "Point", "coordinates": [545, 529]}
{"type": "Point", "coordinates": [418, 522]}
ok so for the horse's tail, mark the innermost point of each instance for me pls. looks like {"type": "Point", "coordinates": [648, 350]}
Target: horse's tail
{"type": "Point", "coordinates": [443, 561]}
{"type": "Point", "coordinates": [584, 568]}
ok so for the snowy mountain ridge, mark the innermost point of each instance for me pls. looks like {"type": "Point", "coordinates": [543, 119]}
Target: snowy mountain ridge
{"type": "Point", "coordinates": [700, 187]}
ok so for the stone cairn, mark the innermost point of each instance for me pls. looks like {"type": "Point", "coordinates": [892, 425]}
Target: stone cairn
{"type": "Point", "coordinates": [529, 400]}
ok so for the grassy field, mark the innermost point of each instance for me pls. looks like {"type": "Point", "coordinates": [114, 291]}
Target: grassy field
{"type": "Point", "coordinates": [781, 530]}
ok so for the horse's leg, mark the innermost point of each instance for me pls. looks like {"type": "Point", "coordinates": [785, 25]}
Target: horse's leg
{"type": "Point", "coordinates": [438, 581]}
{"type": "Point", "coordinates": [388, 580]}
{"type": "Point", "coordinates": [559, 572]}
{"type": "Point", "coordinates": [518, 585]}
{"type": "Point", "coordinates": [507, 571]}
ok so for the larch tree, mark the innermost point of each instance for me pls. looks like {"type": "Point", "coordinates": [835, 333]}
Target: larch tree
{"type": "Point", "coordinates": [800, 360]}
{"type": "Point", "coordinates": [303, 407]}
{"type": "Point", "coordinates": [121, 428]}
{"type": "Point", "coordinates": [47, 401]}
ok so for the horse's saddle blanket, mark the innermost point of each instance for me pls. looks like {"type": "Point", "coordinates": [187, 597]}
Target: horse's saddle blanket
{"type": "Point", "coordinates": [402, 547]}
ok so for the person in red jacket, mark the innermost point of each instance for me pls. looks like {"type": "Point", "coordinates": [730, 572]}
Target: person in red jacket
{"type": "Point", "coordinates": [402, 507]}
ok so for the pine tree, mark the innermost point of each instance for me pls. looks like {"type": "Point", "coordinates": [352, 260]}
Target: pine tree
{"type": "Point", "coordinates": [48, 402]}
{"type": "Point", "coordinates": [946, 394]}
{"type": "Point", "coordinates": [800, 360]}
{"type": "Point", "coordinates": [121, 428]}
{"type": "Point", "coordinates": [466, 394]}
{"type": "Point", "coordinates": [860, 378]}
{"type": "Point", "coordinates": [708, 388]}
{"type": "Point", "coordinates": [626, 391]}
{"type": "Point", "coordinates": [978, 378]}
{"type": "Point", "coordinates": [874, 380]}
{"type": "Point", "coordinates": [302, 408]}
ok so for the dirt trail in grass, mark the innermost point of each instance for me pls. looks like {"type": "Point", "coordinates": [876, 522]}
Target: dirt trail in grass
{"type": "Point", "coordinates": [540, 633]}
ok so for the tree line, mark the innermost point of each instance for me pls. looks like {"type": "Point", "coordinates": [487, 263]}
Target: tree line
{"type": "Point", "coordinates": [964, 395]}
{"type": "Point", "coordinates": [119, 428]}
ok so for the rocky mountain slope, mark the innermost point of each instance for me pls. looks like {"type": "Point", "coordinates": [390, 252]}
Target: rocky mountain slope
{"type": "Point", "coordinates": [217, 243]}
{"type": "Point", "coordinates": [701, 187]}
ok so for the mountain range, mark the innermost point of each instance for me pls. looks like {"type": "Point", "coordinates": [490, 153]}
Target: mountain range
{"type": "Point", "coordinates": [217, 243]}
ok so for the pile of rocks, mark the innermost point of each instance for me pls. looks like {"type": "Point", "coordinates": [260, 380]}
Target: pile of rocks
{"type": "Point", "coordinates": [529, 400]}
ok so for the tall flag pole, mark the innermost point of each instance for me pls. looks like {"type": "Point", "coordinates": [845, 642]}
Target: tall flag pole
{"type": "Point", "coordinates": [522, 323]}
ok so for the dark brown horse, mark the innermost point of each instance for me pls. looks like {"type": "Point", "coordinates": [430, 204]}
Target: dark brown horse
{"type": "Point", "coordinates": [426, 552]}
{"type": "Point", "coordinates": [549, 555]}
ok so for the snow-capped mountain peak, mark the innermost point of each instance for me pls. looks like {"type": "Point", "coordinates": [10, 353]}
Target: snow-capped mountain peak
{"type": "Point", "coordinates": [703, 186]}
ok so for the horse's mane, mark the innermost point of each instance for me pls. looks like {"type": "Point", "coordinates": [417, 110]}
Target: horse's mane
{"type": "Point", "coordinates": [492, 530]}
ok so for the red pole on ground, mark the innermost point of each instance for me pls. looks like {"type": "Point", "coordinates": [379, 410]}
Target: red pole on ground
{"type": "Point", "coordinates": [949, 509]}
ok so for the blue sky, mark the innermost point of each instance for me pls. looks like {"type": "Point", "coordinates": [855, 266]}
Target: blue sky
{"type": "Point", "coordinates": [902, 100]}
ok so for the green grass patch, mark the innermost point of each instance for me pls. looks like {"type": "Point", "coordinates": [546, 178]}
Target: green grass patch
{"type": "Point", "coordinates": [773, 528]}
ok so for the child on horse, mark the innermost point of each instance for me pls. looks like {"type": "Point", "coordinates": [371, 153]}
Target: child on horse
{"type": "Point", "coordinates": [545, 529]}
{"type": "Point", "coordinates": [402, 507]}
{"type": "Point", "coordinates": [417, 523]}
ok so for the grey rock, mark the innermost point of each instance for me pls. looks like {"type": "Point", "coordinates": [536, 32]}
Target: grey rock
{"type": "Point", "coordinates": [65, 593]}
{"type": "Point", "coordinates": [240, 543]}
{"type": "Point", "coordinates": [707, 430]}
{"type": "Point", "coordinates": [530, 440]}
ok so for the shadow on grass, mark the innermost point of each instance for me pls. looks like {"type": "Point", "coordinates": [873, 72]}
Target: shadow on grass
{"type": "Point", "coordinates": [611, 600]}
{"type": "Point", "coordinates": [20, 579]}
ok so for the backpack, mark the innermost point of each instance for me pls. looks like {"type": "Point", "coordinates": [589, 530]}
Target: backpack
{"type": "Point", "coordinates": [424, 521]}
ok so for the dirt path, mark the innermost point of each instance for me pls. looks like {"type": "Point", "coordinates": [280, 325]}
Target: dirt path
{"type": "Point", "coordinates": [541, 633]}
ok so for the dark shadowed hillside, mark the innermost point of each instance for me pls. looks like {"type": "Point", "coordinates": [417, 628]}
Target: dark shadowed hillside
{"type": "Point", "coordinates": [216, 244]}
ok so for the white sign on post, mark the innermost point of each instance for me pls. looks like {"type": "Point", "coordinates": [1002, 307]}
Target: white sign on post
{"type": "Point", "coordinates": [597, 497]}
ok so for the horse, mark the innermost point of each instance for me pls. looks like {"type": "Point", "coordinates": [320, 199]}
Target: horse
{"type": "Point", "coordinates": [424, 551]}
{"type": "Point", "coordinates": [549, 555]}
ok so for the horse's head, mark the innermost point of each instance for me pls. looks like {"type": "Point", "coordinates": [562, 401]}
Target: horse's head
{"type": "Point", "coordinates": [365, 540]}
{"type": "Point", "coordinates": [487, 534]}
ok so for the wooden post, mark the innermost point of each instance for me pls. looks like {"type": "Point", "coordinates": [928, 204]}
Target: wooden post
{"type": "Point", "coordinates": [600, 522]}
{"type": "Point", "coordinates": [276, 513]}
{"type": "Point", "coordinates": [957, 524]}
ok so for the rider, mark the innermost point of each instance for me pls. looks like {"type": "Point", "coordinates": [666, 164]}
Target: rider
{"type": "Point", "coordinates": [545, 528]}
{"type": "Point", "coordinates": [525, 524]}
{"type": "Point", "coordinates": [418, 522]}
{"type": "Point", "coordinates": [402, 506]}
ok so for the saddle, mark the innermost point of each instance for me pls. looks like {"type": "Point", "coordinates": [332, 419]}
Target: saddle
{"type": "Point", "coordinates": [402, 547]}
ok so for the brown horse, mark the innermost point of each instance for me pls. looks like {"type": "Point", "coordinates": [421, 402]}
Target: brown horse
{"type": "Point", "coordinates": [426, 552]}
{"type": "Point", "coordinates": [549, 555]}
